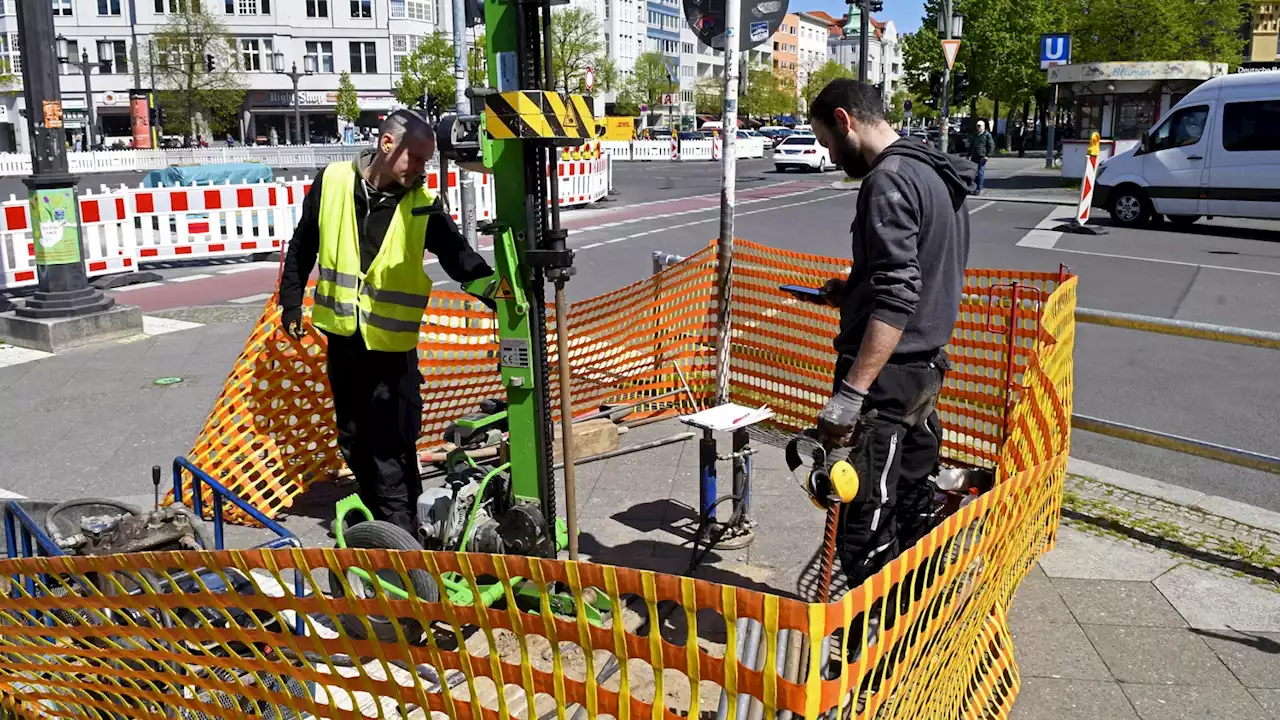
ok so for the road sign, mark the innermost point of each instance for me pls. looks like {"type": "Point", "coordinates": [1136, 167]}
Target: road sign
{"type": "Point", "coordinates": [1055, 49]}
{"type": "Point", "coordinates": [670, 99]}
{"type": "Point", "coordinates": [906, 105]}
{"type": "Point", "coordinates": [590, 80]}
{"type": "Point", "coordinates": [759, 20]}
{"type": "Point", "coordinates": [644, 108]}
{"type": "Point", "coordinates": [950, 48]}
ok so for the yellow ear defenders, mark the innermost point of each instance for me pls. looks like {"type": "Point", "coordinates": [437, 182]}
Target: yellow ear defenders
{"type": "Point", "coordinates": [831, 478]}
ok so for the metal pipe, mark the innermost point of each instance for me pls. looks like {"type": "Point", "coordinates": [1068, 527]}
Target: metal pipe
{"type": "Point", "coordinates": [466, 184]}
{"type": "Point", "coordinates": [1181, 328]}
{"type": "Point", "coordinates": [749, 653]}
{"type": "Point", "coordinates": [728, 199]}
{"type": "Point", "coordinates": [566, 420]}
{"type": "Point", "coordinates": [86, 68]}
{"type": "Point", "coordinates": [1177, 443]}
{"type": "Point", "coordinates": [741, 626]}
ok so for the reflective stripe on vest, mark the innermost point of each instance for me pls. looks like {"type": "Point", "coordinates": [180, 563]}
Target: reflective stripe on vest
{"type": "Point", "coordinates": [386, 302]}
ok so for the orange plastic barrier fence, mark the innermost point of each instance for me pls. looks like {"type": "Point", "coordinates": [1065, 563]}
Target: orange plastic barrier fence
{"type": "Point", "coordinates": [160, 635]}
{"type": "Point", "coordinates": [271, 433]}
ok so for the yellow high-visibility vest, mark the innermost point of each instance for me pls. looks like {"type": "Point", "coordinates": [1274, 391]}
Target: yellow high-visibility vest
{"type": "Point", "coordinates": [387, 302]}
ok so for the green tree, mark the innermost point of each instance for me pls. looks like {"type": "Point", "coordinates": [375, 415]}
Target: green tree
{"type": "Point", "coordinates": [348, 103]}
{"type": "Point", "coordinates": [192, 94]}
{"type": "Point", "coordinates": [819, 78]}
{"type": "Point", "coordinates": [647, 82]}
{"type": "Point", "coordinates": [427, 74]}
{"type": "Point", "coordinates": [478, 61]}
{"type": "Point", "coordinates": [606, 71]}
{"type": "Point", "coordinates": [708, 96]}
{"type": "Point", "coordinates": [768, 94]}
{"type": "Point", "coordinates": [575, 34]}
{"type": "Point", "coordinates": [1154, 30]}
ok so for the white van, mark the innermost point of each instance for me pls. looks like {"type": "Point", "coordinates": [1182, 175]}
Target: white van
{"type": "Point", "coordinates": [1215, 153]}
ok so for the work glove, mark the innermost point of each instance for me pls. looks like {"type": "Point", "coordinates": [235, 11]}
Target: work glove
{"type": "Point", "coordinates": [841, 413]}
{"type": "Point", "coordinates": [291, 322]}
{"type": "Point", "coordinates": [833, 291]}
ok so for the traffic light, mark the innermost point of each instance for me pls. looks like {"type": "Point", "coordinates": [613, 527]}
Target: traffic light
{"type": "Point", "coordinates": [935, 84]}
{"type": "Point", "coordinates": [162, 116]}
{"type": "Point", "coordinates": [209, 63]}
{"type": "Point", "coordinates": [876, 5]}
{"type": "Point", "coordinates": [474, 12]}
{"type": "Point", "coordinates": [959, 85]}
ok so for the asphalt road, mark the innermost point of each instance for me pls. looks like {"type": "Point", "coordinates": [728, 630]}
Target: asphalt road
{"type": "Point", "coordinates": [1217, 271]}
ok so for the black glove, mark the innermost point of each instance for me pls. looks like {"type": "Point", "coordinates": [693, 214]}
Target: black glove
{"type": "Point", "coordinates": [842, 411]}
{"type": "Point", "coordinates": [291, 322]}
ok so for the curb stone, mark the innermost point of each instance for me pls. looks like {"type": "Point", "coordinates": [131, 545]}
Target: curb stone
{"type": "Point", "coordinates": [1255, 517]}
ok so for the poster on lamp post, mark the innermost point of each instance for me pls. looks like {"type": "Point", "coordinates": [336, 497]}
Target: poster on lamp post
{"type": "Point", "coordinates": [54, 226]}
{"type": "Point", "coordinates": [140, 115]}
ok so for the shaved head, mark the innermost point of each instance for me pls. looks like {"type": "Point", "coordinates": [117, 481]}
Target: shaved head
{"type": "Point", "coordinates": [405, 143]}
{"type": "Point", "coordinates": [405, 122]}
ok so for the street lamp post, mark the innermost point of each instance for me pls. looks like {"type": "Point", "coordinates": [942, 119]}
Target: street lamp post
{"type": "Point", "coordinates": [85, 67]}
{"type": "Point", "coordinates": [64, 289]}
{"type": "Point", "coordinates": [293, 74]}
{"type": "Point", "coordinates": [950, 26]}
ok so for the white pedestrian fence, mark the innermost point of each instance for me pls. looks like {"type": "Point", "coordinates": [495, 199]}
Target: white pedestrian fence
{"type": "Point", "coordinates": [643, 150]}
{"type": "Point", "coordinates": [123, 227]}
{"type": "Point", "coordinates": [277, 156]}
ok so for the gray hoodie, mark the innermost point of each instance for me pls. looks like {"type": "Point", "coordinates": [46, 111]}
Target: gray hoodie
{"type": "Point", "coordinates": [910, 247]}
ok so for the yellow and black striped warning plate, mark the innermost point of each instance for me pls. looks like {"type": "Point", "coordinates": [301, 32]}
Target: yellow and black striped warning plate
{"type": "Point", "coordinates": [542, 114]}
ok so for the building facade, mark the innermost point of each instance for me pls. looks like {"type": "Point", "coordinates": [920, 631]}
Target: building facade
{"type": "Point", "coordinates": [884, 52]}
{"type": "Point", "coordinates": [1263, 50]}
{"type": "Point", "coordinates": [785, 44]}
{"type": "Point", "coordinates": [811, 45]}
{"type": "Point", "coordinates": [367, 38]}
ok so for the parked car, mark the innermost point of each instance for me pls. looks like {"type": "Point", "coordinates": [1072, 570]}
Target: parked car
{"type": "Point", "coordinates": [1216, 153]}
{"type": "Point", "coordinates": [776, 135]}
{"type": "Point", "coordinates": [801, 151]}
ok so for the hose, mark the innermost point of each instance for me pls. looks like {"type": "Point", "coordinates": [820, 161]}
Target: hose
{"type": "Point", "coordinates": [52, 528]}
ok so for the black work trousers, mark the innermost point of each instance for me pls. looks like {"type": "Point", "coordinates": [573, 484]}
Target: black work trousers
{"type": "Point", "coordinates": [895, 455]}
{"type": "Point", "coordinates": [377, 402]}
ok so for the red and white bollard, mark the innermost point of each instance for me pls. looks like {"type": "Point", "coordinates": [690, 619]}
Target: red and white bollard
{"type": "Point", "coordinates": [1079, 223]}
{"type": "Point", "coordinates": [715, 147]}
{"type": "Point", "coordinates": [675, 148]}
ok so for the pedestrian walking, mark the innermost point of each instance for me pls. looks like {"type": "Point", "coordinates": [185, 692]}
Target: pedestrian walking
{"type": "Point", "coordinates": [370, 221]}
{"type": "Point", "coordinates": [910, 244]}
{"type": "Point", "coordinates": [980, 149]}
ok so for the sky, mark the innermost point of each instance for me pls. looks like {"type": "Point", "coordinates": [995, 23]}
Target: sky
{"type": "Point", "coordinates": [905, 14]}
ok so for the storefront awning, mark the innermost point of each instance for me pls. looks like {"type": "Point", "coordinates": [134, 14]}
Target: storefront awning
{"type": "Point", "coordinates": [1141, 71]}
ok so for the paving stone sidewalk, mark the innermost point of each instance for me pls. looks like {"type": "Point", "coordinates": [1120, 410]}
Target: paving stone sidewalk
{"type": "Point", "coordinates": [1103, 627]}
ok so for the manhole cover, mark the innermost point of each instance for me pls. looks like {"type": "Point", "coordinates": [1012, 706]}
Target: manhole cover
{"type": "Point", "coordinates": [167, 381]}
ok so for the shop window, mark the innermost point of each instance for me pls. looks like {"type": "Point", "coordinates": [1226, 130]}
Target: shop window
{"type": "Point", "coordinates": [1134, 115]}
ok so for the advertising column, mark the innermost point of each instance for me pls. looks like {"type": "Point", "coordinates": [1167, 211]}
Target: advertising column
{"type": "Point", "coordinates": [140, 116]}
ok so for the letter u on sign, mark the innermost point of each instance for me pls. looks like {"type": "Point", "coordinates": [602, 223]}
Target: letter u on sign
{"type": "Point", "coordinates": [1055, 50]}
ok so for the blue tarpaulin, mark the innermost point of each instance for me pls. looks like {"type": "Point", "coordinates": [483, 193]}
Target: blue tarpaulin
{"type": "Point", "coordinates": [234, 173]}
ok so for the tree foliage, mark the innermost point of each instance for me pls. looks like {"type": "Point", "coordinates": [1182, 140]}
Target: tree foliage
{"type": "Point", "coordinates": [819, 78]}
{"type": "Point", "coordinates": [1155, 30]}
{"type": "Point", "coordinates": [427, 74]}
{"type": "Point", "coordinates": [708, 96]}
{"type": "Point", "coordinates": [192, 95]}
{"type": "Point", "coordinates": [348, 105]}
{"type": "Point", "coordinates": [647, 82]}
{"type": "Point", "coordinates": [576, 41]}
{"type": "Point", "coordinates": [768, 94]}
{"type": "Point", "coordinates": [478, 61]}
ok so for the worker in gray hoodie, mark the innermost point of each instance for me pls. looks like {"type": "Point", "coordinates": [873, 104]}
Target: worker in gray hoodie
{"type": "Point", "coordinates": [897, 311]}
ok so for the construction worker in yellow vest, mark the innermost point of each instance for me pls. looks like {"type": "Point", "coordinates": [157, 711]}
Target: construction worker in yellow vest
{"type": "Point", "coordinates": [370, 221]}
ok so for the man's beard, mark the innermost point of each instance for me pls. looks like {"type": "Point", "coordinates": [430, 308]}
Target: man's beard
{"type": "Point", "coordinates": [849, 158]}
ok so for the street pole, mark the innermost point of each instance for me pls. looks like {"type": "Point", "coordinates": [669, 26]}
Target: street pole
{"type": "Point", "coordinates": [64, 289]}
{"type": "Point", "coordinates": [1050, 125]}
{"type": "Point", "coordinates": [944, 132]}
{"type": "Point", "coordinates": [728, 188]}
{"type": "Point", "coordinates": [864, 39]}
{"type": "Point", "coordinates": [466, 183]}
{"type": "Point", "coordinates": [86, 68]}
{"type": "Point", "coordinates": [297, 116]}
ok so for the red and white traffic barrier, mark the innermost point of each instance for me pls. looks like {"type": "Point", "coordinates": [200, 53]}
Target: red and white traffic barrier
{"type": "Point", "coordinates": [675, 148]}
{"type": "Point", "coordinates": [123, 227]}
{"type": "Point", "coordinates": [716, 148]}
